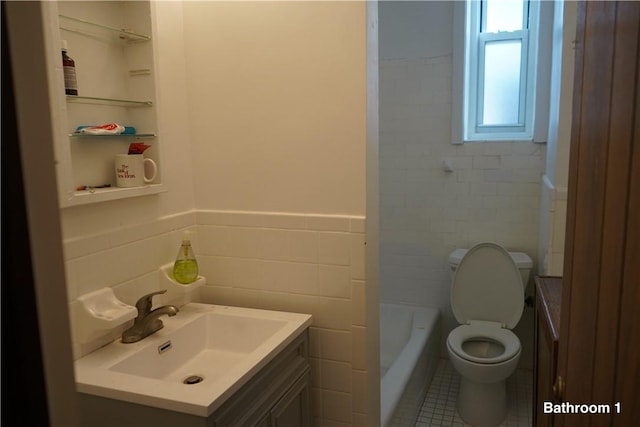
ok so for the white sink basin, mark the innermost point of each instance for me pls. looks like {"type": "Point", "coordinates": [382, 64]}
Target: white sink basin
{"type": "Point", "coordinates": [224, 346]}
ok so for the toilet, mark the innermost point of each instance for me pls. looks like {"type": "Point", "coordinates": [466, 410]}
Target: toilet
{"type": "Point", "coordinates": [487, 299]}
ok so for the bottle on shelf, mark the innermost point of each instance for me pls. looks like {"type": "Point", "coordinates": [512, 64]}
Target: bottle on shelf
{"type": "Point", "coordinates": [185, 268]}
{"type": "Point", "coordinates": [69, 69]}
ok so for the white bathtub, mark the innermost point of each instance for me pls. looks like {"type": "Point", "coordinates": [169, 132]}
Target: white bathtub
{"type": "Point", "coordinates": [409, 352]}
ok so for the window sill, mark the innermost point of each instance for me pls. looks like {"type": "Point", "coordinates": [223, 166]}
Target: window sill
{"type": "Point", "coordinates": [490, 140]}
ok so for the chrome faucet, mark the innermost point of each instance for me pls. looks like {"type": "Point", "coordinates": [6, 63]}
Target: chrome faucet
{"type": "Point", "coordinates": [147, 321]}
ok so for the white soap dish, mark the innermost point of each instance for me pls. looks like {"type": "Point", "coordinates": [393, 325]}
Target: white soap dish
{"type": "Point", "coordinates": [178, 293]}
{"type": "Point", "coordinates": [100, 311]}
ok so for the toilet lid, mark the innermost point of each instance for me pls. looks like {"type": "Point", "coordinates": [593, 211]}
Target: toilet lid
{"type": "Point", "coordinates": [487, 286]}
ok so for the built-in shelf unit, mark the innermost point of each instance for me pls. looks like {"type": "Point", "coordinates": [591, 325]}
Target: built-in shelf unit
{"type": "Point", "coordinates": [113, 49]}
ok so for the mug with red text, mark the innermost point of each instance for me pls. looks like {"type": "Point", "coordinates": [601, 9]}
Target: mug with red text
{"type": "Point", "coordinates": [130, 170]}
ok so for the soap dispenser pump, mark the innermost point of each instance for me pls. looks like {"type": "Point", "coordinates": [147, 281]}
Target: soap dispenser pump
{"type": "Point", "coordinates": [185, 268]}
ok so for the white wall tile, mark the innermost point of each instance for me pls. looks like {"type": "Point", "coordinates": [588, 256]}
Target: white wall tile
{"type": "Point", "coordinates": [334, 313]}
{"type": "Point", "coordinates": [336, 406]}
{"type": "Point", "coordinates": [303, 246]}
{"type": "Point", "coordinates": [336, 376]}
{"type": "Point", "coordinates": [359, 302]}
{"type": "Point", "coordinates": [358, 256]}
{"type": "Point", "coordinates": [218, 270]}
{"type": "Point", "coordinates": [359, 384]}
{"type": "Point", "coordinates": [213, 240]}
{"type": "Point", "coordinates": [244, 242]}
{"type": "Point", "coordinates": [359, 349]}
{"type": "Point", "coordinates": [335, 345]}
{"type": "Point", "coordinates": [486, 162]}
{"type": "Point", "coordinates": [247, 273]}
{"type": "Point", "coordinates": [301, 278]}
{"type": "Point", "coordinates": [334, 248]}
{"type": "Point", "coordinates": [327, 223]}
{"type": "Point", "coordinates": [334, 281]}
{"type": "Point", "coordinates": [274, 244]}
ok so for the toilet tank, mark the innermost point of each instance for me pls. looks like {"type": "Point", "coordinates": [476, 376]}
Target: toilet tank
{"type": "Point", "coordinates": [522, 260]}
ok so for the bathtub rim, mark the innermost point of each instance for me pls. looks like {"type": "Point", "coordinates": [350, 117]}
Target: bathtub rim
{"type": "Point", "coordinates": [395, 380]}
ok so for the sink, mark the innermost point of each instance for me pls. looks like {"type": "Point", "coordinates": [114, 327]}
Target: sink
{"type": "Point", "coordinates": [201, 357]}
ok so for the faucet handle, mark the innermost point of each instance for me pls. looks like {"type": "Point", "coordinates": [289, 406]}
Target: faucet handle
{"type": "Point", "coordinates": [144, 303]}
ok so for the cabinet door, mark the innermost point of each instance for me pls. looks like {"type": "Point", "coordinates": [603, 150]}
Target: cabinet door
{"type": "Point", "coordinates": [265, 421]}
{"type": "Point", "coordinates": [293, 409]}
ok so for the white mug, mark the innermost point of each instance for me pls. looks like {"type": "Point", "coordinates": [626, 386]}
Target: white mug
{"type": "Point", "coordinates": [130, 170]}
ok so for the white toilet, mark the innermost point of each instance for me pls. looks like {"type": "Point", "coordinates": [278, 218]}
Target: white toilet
{"type": "Point", "coordinates": [487, 299]}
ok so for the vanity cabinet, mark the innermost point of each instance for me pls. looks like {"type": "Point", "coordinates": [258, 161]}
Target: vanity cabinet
{"type": "Point", "coordinates": [276, 396]}
{"type": "Point", "coordinates": [113, 49]}
{"type": "Point", "coordinates": [547, 326]}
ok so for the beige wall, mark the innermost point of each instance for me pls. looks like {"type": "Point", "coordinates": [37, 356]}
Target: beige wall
{"type": "Point", "coordinates": [277, 97]}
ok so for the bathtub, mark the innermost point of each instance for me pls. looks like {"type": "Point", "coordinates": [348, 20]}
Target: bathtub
{"type": "Point", "coordinates": [409, 353]}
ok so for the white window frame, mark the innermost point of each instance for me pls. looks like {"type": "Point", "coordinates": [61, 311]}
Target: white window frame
{"type": "Point", "coordinates": [468, 69]}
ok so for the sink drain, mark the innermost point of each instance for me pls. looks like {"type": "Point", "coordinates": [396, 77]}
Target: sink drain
{"type": "Point", "coordinates": [193, 379]}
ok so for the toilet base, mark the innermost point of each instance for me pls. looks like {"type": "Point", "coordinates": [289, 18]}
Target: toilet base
{"type": "Point", "coordinates": [481, 404]}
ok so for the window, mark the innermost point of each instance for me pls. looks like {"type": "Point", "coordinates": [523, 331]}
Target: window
{"type": "Point", "coordinates": [501, 71]}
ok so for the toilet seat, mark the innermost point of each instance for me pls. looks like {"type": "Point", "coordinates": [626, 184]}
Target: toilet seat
{"type": "Point", "coordinates": [484, 331]}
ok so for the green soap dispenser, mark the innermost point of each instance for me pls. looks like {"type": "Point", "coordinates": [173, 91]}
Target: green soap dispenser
{"type": "Point", "coordinates": [185, 269]}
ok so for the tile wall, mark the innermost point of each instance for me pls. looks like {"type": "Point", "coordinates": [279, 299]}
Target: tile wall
{"type": "Point", "coordinates": [303, 263]}
{"type": "Point", "coordinates": [492, 193]}
{"type": "Point", "coordinates": [553, 224]}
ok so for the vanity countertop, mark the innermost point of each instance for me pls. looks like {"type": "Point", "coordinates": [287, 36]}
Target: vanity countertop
{"type": "Point", "coordinates": [549, 290]}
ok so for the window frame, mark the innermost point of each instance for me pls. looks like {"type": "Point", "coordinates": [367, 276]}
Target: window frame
{"type": "Point", "coordinates": [466, 102]}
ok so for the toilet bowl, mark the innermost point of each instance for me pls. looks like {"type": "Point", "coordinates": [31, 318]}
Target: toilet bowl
{"type": "Point", "coordinates": [487, 299]}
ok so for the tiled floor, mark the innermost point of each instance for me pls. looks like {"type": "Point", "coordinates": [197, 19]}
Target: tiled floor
{"type": "Point", "coordinates": [439, 407]}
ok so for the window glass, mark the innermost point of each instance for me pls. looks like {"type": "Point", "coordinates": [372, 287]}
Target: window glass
{"type": "Point", "coordinates": [502, 15]}
{"type": "Point", "coordinates": [501, 103]}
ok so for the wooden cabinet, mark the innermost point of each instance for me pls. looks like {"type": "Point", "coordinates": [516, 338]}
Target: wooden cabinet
{"type": "Point", "coordinates": [276, 396]}
{"type": "Point", "coordinates": [547, 324]}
